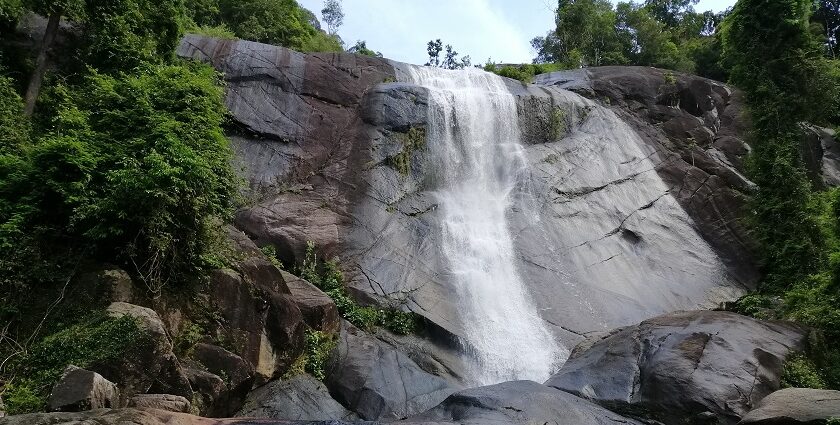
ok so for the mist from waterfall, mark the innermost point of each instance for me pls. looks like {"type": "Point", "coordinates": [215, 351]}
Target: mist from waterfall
{"type": "Point", "coordinates": [474, 143]}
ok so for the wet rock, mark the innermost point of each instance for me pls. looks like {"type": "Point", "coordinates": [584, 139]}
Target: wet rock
{"type": "Point", "coordinates": [682, 365]}
{"type": "Point", "coordinates": [518, 402]}
{"type": "Point", "coordinates": [79, 390]}
{"type": "Point", "coordinates": [378, 382]}
{"type": "Point", "coordinates": [793, 406]}
{"type": "Point", "coordinates": [166, 402]}
{"type": "Point", "coordinates": [318, 309]}
{"type": "Point", "coordinates": [299, 398]}
{"type": "Point", "coordinates": [151, 365]}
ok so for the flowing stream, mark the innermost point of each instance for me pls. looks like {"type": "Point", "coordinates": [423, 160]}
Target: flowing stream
{"type": "Point", "coordinates": [474, 139]}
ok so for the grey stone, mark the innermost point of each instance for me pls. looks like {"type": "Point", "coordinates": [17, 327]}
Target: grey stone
{"type": "Point", "coordinates": [145, 417]}
{"type": "Point", "coordinates": [211, 393]}
{"type": "Point", "coordinates": [821, 155]}
{"type": "Point", "coordinates": [518, 402]}
{"type": "Point", "coordinates": [80, 390]}
{"type": "Point", "coordinates": [151, 365]}
{"type": "Point", "coordinates": [378, 382]}
{"type": "Point", "coordinates": [681, 365]}
{"type": "Point", "coordinates": [793, 406]}
{"type": "Point", "coordinates": [237, 374]}
{"type": "Point", "coordinates": [2, 408]}
{"type": "Point", "coordinates": [166, 402]}
{"type": "Point", "coordinates": [318, 309]}
{"type": "Point", "coordinates": [301, 398]}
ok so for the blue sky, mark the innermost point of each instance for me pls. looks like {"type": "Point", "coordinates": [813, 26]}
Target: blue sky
{"type": "Point", "coordinates": [484, 29]}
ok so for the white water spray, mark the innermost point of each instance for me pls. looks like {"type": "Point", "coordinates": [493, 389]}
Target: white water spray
{"type": "Point", "coordinates": [474, 139]}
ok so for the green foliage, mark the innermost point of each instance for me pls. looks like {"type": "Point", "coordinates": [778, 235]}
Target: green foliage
{"type": "Point", "coordinates": [271, 253]}
{"type": "Point", "coordinates": [321, 42]}
{"type": "Point", "coordinates": [801, 372]}
{"type": "Point", "coordinates": [125, 34]}
{"type": "Point", "coordinates": [219, 31]}
{"type": "Point", "coordinates": [280, 22]}
{"type": "Point", "coordinates": [329, 279]}
{"type": "Point", "coordinates": [361, 48]}
{"type": "Point", "coordinates": [97, 340]}
{"type": "Point", "coordinates": [135, 168]}
{"type": "Point", "coordinates": [191, 334]}
{"type": "Point", "coordinates": [14, 127]}
{"type": "Point", "coordinates": [10, 11]}
{"type": "Point", "coordinates": [319, 345]}
{"type": "Point", "coordinates": [412, 141]}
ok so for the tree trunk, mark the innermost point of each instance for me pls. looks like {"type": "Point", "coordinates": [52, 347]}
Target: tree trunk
{"type": "Point", "coordinates": [41, 63]}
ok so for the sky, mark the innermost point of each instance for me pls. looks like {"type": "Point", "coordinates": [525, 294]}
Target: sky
{"type": "Point", "coordinates": [498, 30]}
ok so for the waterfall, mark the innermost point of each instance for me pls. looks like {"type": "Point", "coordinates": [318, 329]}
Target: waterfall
{"type": "Point", "coordinates": [474, 141]}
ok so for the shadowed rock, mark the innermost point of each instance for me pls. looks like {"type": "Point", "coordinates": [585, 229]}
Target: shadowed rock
{"type": "Point", "coordinates": [678, 367]}
{"type": "Point", "coordinates": [166, 402]}
{"type": "Point", "coordinates": [299, 398]}
{"type": "Point", "coordinates": [518, 402]}
{"type": "Point", "coordinates": [79, 390]}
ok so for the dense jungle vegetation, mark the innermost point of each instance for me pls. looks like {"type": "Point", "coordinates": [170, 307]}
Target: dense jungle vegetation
{"type": "Point", "coordinates": [115, 152]}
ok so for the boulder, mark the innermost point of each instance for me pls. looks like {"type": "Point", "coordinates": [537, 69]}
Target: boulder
{"type": "Point", "coordinates": [211, 393]}
{"type": "Point", "coordinates": [301, 398]}
{"type": "Point", "coordinates": [684, 366]}
{"type": "Point", "coordinates": [517, 402]}
{"type": "Point", "coordinates": [794, 406]}
{"type": "Point", "coordinates": [143, 417]}
{"type": "Point", "coordinates": [258, 314]}
{"type": "Point", "coordinates": [166, 402]}
{"type": "Point", "coordinates": [2, 408]}
{"type": "Point", "coordinates": [379, 382]}
{"type": "Point", "coordinates": [318, 309]}
{"type": "Point", "coordinates": [79, 390]}
{"type": "Point", "coordinates": [236, 374]}
{"type": "Point", "coordinates": [820, 152]}
{"type": "Point", "coordinates": [152, 365]}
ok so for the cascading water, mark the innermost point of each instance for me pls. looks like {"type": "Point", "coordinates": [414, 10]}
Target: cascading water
{"type": "Point", "coordinates": [474, 139]}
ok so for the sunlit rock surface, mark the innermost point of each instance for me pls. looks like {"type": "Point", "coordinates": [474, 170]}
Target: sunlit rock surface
{"type": "Point", "coordinates": [631, 208]}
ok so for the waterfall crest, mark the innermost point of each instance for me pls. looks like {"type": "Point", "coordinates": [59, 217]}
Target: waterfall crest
{"type": "Point", "coordinates": [474, 140]}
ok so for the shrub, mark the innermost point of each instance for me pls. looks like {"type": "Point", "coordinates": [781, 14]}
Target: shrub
{"type": "Point", "coordinates": [329, 279]}
{"type": "Point", "coordinates": [135, 168]}
{"type": "Point", "coordinates": [319, 345]}
{"type": "Point", "coordinates": [801, 372]}
{"type": "Point", "coordinates": [97, 340]}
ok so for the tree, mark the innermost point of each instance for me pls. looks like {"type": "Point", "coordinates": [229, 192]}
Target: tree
{"type": "Point", "coordinates": [778, 64]}
{"type": "Point", "coordinates": [333, 15]}
{"type": "Point", "coordinates": [278, 22]}
{"type": "Point", "coordinates": [587, 29]}
{"type": "Point", "coordinates": [450, 60]}
{"type": "Point", "coordinates": [827, 14]}
{"type": "Point", "coordinates": [54, 10]}
{"type": "Point", "coordinates": [361, 48]}
{"type": "Point", "coordinates": [670, 12]}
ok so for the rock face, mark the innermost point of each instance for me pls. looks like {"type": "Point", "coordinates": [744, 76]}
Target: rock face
{"type": "Point", "coordinates": [793, 406]}
{"type": "Point", "coordinates": [821, 152]}
{"type": "Point", "coordinates": [637, 190]}
{"type": "Point", "coordinates": [301, 398]}
{"type": "Point", "coordinates": [683, 365]}
{"type": "Point", "coordinates": [166, 402]}
{"type": "Point", "coordinates": [518, 402]}
{"type": "Point", "coordinates": [318, 309]}
{"type": "Point", "coordinates": [79, 390]}
{"type": "Point", "coordinates": [378, 382]}
{"type": "Point", "coordinates": [152, 366]}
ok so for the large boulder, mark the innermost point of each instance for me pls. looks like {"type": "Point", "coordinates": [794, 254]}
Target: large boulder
{"type": "Point", "coordinates": [518, 402]}
{"type": "Point", "coordinates": [211, 393]}
{"type": "Point", "coordinates": [299, 398]}
{"type": "Point", "coordinates": [152, 365]}
{"type": "Point", "coordinates": [684, 366]}
{"type": "Point", "coordinates": [821, 154]}
{"type": "Point", "coordinates": [318, 309]}
{"type": "Point", "coordinates": [238, 377]}
{"type": "Point", "coordinates": [379, 382]}
{"type": "Point", "coordinates": [796, 406]}
{"type": "Point", "coordinates": [79, 390]}
{"type": "Point", "coordinates": [166, 402]}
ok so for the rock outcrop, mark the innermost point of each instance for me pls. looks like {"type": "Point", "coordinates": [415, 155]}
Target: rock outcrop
{"type": "Point", "coordinates": [318, 309]}
{"type": "Point", "coordinates": [637, 201]}
{"type": "Point", "coordinates": [144, 417]}
{"type": "Point", "coordinates": [79, 390]}
{"type": "Point", "coordinates": [795, 406]}
{"type": "Point", "coordinates": [519, 402]}
{"type": "Point", "coordinates": [165, 402]}
{"type": "Point", "coordinates": [378, 382]}
{"type": "Point", "coordinates": [152, 366]}
{"type": "Point", "coordinates": [684, 366]}
{"type": "Point", "coordinates": [301, 398]}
